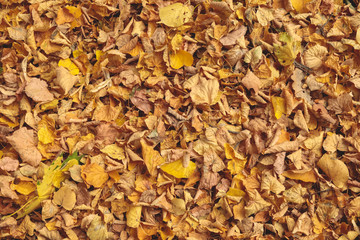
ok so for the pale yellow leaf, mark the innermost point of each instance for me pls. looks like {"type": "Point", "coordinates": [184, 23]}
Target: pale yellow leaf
{"type": "Point", "coordinates": [175, 15]}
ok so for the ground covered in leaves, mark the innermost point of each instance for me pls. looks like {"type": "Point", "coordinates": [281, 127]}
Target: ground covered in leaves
{"type": "Point", "coordinates": [180, 119]}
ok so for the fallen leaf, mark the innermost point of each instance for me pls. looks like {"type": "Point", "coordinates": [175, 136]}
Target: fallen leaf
{"type": "Point", "coordinates": [286, 53]}
{"type": "Point", "coordinates": [152, 158]}
{"type": "Point", "coordinates": [177, 169]}
{"type": "Point", "coordinates": [97, 229]}
{"type": "Point", "coordinates": [65, 79]}
{"type": "Point", "coordinates": [133, 216]}
{"type": "Point", "coordinates": [180, 58]}
{"type": "Point", "coordinates": [65, 197]}
{"type": "Point", "coordinates": [251, 81]}
{"type": "Point", "coordinates": [335, 169]}
{"type": "Point", "coordinates": [23, 142]}
{"type": "Point", "coordinates": [94, 175]}
{"type": "Point", "coordinates": [206, 91]}
{"type": "Point", "coordinates": [69, 65]}
{"type": "Point", "coordinates": [175, 15]}
{"type": "Point", "coordinates": [38, 90]}
{"type": "Point", "coordinates": [9, 164]}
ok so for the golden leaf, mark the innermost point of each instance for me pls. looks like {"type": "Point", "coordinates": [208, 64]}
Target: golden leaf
{"type": "Point", "coordinates": [152, 158]}
{"type": "Point", "coordinates": [69, 65]}
{"type": "Point", "coordinates": [175, 15]}
{"type": "Point", "coordinates": [114, 151]}
{"type": "Point", "coordinates": [94, 175]}
{"type": "Point", "coordinates": [177, 169]}
{"type": "Point", "coordinates": [181, 58]}
{"type": "Point", "coordinates": [279, 106]}
{"type": "Point", "coordinates": [133, 216]}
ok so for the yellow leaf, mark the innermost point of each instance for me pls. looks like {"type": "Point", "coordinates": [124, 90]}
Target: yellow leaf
{"type": "Point", "coordinates": [76, 53]}
{"type": "Point", "coordinates": [45, 188]}
{"type": "Point", "coordinates": [51, 225]}
{"type": "Point", "coordinates": [50, 105]}
{"type": "Point", "coordinates": [176, 42]}
{"type": "Point", "coordinates": [287, 53]}
{"type": "Point", "coordinates": [98, 54]}
{"type": "Point", "coordinates": [177, 169]}
{"type": "Point", "coordinates": [69, 65]}
{"type": "Point", "coordinates": [94, 175]}
{"type": "Point", "coordinates": [133, 216]}
{"type": "Point", "coordinates": [237, 162]}
{"type": "Point", "coordinates": [226, 73]}
{"type": "Point", "coordinates": [97, 229]}
{"type": "Point", "coordinates": [45, 136]}
{"type": "Point", "coordinates": [175, 15]}
{"type": "Point", "coordinates": [152, 158]}
{"type": "Point", "coordinates": [181, 58]}
{"type": "Point", "coordinates": [24, 187]}
{"type": "Point", "coordinates": [114, 151]}
{"type": "Point", "coordinates": [8, 122]}
{"type": "Point", "coordinates": [235, 194]}
{"type": "Point", "coordinates": [75, 11]}
{"type": "Point", "coordinates": [335, 169]}
{"type": "Point", "coordinates": [300, 5]}
{"type": "Point", "coordinates": [279, 106]}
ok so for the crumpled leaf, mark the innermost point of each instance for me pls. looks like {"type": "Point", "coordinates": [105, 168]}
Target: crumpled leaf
{"type": "Point", "coordinates": [5, 190]}
{"type": "Point", "coordinates": [237, 162]}
{"type": "Point", "coordinates": [180, 58]}
{"type": "Point", "coordinates": [175, 15]}
{"type": "Point", "coordinates": [251, 81]}
{"type": "Point", "coordinates": [295, 194]}
{"type": "Point", "coordinates": [232, 37]}
{"type": "Point", "coordinates": [256, 203]}
{"type": "Point", "coordinates": [206, 92]}
{"type": "Point", "coordinates": [272, 184]}
{"type": "Point", "coordinates": [9, 164]}
{"type": "Point", "coordinates": [177, 169]}
{"type": "Point", "coordinates": [354, 207]}
{"type": "Point", "coordinates": [23, 142]}
{"type": "Point", "coordinates": [335, 169]}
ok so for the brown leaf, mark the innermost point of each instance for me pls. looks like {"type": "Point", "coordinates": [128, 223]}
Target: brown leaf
{"type": "Point", "coordinates": [9, 164]}
{"type": "Point", "coordinates": [141, 102]}
{"type": "Point", "coordinates": [231, 38]}
{"type": "Point", "coordinates": [38, 91]}
{"type": "Point", "coordinates": [251, 81]}
{"type": "Point", "coordinates": [24, 143]}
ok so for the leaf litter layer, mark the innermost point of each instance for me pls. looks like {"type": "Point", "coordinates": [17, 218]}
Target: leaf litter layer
{"type": "Point", "coordinates": [179, 119]}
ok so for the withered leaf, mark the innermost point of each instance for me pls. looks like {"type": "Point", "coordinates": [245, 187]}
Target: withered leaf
{"type": "Point", "coordinates": [23, 141]}
{"type": "Point", "coordinates": [38, 90]}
